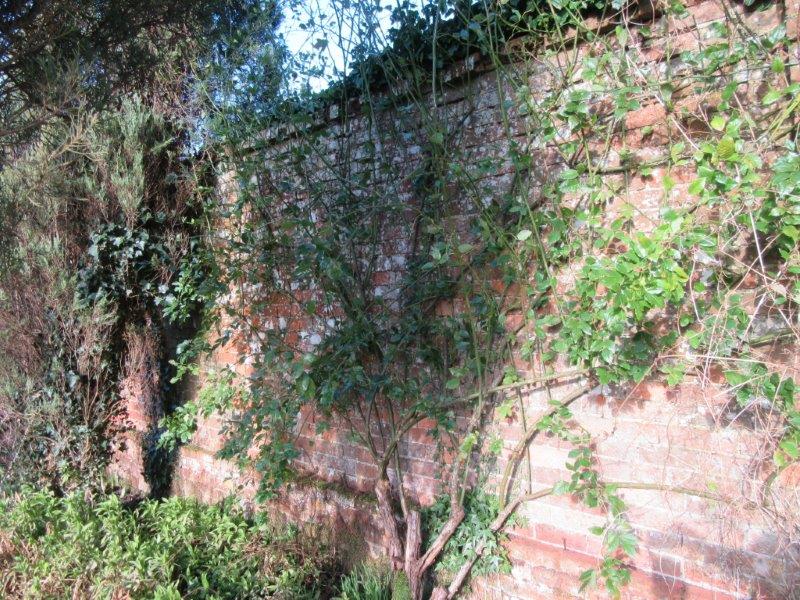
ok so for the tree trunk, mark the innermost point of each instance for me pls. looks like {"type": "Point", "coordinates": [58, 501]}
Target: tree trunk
{"type": "Point", "coordinates": [413, 548]}
{"type": "Point", "coordinates": [440, 593]}
{"type": "Point", "coordinates": [416, 571]}
{"type": "Point", "coordinates": [406, 557]}
{"type": "Point", "coordinates": [384, 497]}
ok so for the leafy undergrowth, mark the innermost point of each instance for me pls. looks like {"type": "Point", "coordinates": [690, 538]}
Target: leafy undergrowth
{"type": "Point", "coordinates": [475, 530]}
{"type": "Point", "coordinates": [368, 582]}
{"type": "Point", "coordinates": [164, 550]}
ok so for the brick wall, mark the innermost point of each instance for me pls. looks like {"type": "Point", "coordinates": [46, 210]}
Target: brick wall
{"type": "Point", "coordinates": [682, 436]}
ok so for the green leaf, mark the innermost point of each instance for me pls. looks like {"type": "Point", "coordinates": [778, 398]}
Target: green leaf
{"type": "Point", "coordinates": [726, 148]}
{"type": "Point", "coordinates": [674, 373]}
{"type": "Point", "coordinates": [791, 449]}
{"type": "Point", "coordinates": [735, 378]}
{"type": "Point", "coordinates": [505, 409]}
{"type": "Point", "coordinates": [524, 234]}
{"type": "Point", "coordinates": [588, 579]}
{"type": "Point", "coordinates": [561, 488]}
{"type": "Point", "coordinates": [496, 445]}
{"type": "Point", "coordinates": [697, 186]}
{"type": "Point", "coordinates": [597, 530]}
{"type": "Point", "coordinates": [667, 90]}
{"type": "Point", "coordinates": [468, 443]}
{"type": "Point", "coordinates": [629, 543]}
{"type": "Point", "coordinates": [771, 97]}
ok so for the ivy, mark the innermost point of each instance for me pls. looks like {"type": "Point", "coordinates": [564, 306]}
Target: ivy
{"type": "Point", "coordinates": [481, 509]}
{"type": "Point", "coordinates": [126, 265]}
{"type": "Point", "coordinates": [217, 396]}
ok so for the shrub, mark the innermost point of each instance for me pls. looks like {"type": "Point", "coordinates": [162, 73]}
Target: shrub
{"type": "Point", "coordinates": [71, 547]}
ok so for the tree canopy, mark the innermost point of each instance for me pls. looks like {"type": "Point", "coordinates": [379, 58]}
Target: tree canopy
{"type": "Point", "coordinates": [57, 57]}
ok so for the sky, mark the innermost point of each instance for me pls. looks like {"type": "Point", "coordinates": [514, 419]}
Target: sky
{"type": "Point", "coordinates": [324, 29]}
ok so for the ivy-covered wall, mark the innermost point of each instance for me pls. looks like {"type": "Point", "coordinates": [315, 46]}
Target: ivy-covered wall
{"type": "Point", "coordinates": [669, 424]}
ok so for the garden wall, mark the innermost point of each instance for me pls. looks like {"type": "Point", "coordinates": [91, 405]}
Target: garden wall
{"type": "Point", "coordinates": [688, 435]}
